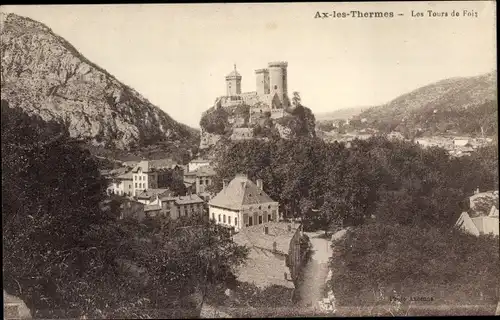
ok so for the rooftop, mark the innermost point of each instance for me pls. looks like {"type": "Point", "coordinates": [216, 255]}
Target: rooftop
{"type": "Point", "coordinates": [152, 193]}
{"type": "Point", "coordinates": [234, 74]}
{"type": "Point", "coordinates": [152, 207]}
{"type": "Point", "coordinates": [240, 191]}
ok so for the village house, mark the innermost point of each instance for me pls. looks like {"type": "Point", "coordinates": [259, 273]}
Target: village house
{"type": "Point", "coordinates": [200, 179]}
{"type": "Point", "coordinates": [276, 255]}
{"type": "Point", "coordinates": [144, 177]}
{"type": "Point", "coordinates": [182, 206]}
{"type": "Point", "coordinates": [150, 195]}
{"type": "Point", "coordinates": [122, 185]}
{"type": "Point", "coordinates": [241, 203]}
{"type": "Point", "coordinates": [482, 216]}
{"type": "Point", "coordinates": [196, 163]}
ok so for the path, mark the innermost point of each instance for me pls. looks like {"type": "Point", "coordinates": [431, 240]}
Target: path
{"type": "Point", "coordinates": [315, 271]}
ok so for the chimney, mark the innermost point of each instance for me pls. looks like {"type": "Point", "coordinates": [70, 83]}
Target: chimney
{"type": "Point", "coordinates": [266, 230]}
{"type": "Point", "coordinates": [274, 246]}
{"type": "Point", "coordinates": [259, 184]}
{"type": "Point", "coordinates": [224, 183]}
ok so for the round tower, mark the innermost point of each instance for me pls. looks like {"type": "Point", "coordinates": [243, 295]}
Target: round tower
{"type": "Point", "coordinates": [233, 83]}
{"type": "Point", "coordinates": [278, 79]}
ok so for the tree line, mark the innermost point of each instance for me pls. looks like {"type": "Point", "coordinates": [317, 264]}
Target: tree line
{"type": "Point", "coordinates": [395, 181]}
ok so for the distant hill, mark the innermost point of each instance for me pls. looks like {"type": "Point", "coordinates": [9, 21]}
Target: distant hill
{"type": "Point", "coordinates": [45, 75]}
{"type": "Point", "coordinates": [343, 114]}
{"type": "Point", "coordinates": [461, 105]}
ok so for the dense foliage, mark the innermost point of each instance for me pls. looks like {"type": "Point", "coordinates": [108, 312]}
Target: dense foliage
{"type": "Point", "coordinates": [377, 261]}
{"type": "Point", "coordinates": [66, 256]}
{"type": "Point", "coordinates": [395, 181]}
{"type": "Point", "coordinates": [215, 121]}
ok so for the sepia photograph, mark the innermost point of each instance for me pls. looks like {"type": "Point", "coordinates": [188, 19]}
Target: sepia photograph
{"type": "Point", "coordinates": [250, 160]}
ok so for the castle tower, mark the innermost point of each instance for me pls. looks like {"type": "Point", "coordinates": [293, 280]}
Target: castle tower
{"type": "Point", "coordinates": [262, 77]}
{"type": "Point", "coordinates": [233, 83]}
{"type": "Point", "coordinates": [278, 80]}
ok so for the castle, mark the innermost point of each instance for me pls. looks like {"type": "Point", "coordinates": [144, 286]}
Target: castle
{"type": "Point", "coordinates": [271, 95]}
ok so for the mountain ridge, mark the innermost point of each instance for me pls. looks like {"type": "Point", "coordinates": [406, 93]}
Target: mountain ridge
{"type": "Point", "coordinates": [452, 104]}
{"type": "Point", "coordinates": [43, 73]}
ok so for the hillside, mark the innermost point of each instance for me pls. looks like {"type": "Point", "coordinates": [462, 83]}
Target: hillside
{"type": "Point", "coordinates": [343, 114]}
{"type": "Point", "coordinates": [462, 105]}
{"type": "Point", "coordinates": [45, 75]}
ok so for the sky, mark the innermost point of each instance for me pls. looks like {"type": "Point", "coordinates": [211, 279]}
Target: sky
{"type": "Point", "coordinates": [177, 55]}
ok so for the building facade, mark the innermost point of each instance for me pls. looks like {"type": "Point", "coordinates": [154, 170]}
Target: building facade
{"type": "Point", "coordinates": [144, 177]}
{"type": "Point", "coordinates": [242, 203]}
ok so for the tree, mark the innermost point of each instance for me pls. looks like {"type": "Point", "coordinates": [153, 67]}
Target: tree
{"type": "Point", "coordinates": [296, 99]}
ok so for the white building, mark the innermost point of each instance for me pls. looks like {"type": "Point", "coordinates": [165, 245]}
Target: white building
{"type": "Point", "coordinates": [242, 203]}
{"type": "Point", "coordinates": [144, 177]}
{"type": "Point", "coordinates": [197, 163]}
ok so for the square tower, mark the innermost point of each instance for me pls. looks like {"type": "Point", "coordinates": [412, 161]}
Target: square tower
{"type": "Point", "coordinates": [262, 78]}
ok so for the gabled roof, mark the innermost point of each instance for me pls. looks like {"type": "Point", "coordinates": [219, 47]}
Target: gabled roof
{"type": "Point", "coordinates": [151, 194]}
{"type": "Point", "coordinates": [239, 192]}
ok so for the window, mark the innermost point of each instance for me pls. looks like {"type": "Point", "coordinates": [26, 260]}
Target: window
{"type": "Point", "coordinates": [269, 218]}
{"type": "Point", "coordinates": [250, 221]}
{"type": "Point", "coordinates": [260, 219]}
{"type": "Point", "coordinates": [136, 184]}
{"type": "Point", "coordinates": [236, 221]}
{"type": "Point", "coordinates": [219, 217]}
{"type": "Point", "coordinates": [206, 182]}
{"type": "Point", "coordinates": [224, 218]}
{"type": "Point", "coordinates": [201, 181]}
{"type": "Point", "coordinates": [135, 177]}
{"type": "Point", "coordinates": [229, 219]}
{"type": "Point", "coordinates": [275, 87]}
{"type": "Point", "coordinates": [213, 216]}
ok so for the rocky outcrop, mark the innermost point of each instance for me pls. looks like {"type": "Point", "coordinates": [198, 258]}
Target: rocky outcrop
{"type": "Point", "coordinates": [44, 74]}
{"type": "Point", "coordinates": [245, 122]}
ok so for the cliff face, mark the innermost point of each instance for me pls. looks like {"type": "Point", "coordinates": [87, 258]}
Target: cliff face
{"type": "Point", "coordinates": [44, 74]}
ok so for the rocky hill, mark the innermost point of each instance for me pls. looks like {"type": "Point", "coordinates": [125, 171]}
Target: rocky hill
{"type": "Point", "coordinates": [461, 105]}
{"type": "Point", "coordinates": [45, 75]}
{"type": "Point", "coordinates": [222, 124]}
